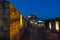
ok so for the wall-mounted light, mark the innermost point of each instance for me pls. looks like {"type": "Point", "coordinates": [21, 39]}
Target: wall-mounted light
{"type": "Point", "coordinates": [20, 19]}
{"type": "Point", "coordinates": [57, 26]}
{"type": "Point", "coordinates": [50, 25]}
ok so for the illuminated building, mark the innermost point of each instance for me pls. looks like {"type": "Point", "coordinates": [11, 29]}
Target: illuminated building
{"type": "Point", "coordinates": [11, 22]}
{"type": "Point", "coordinates": [41, 24]}
{"type": "Point", "coordinates": [53, 25]}
{"type": "Point", "coordinates": [32, 20]}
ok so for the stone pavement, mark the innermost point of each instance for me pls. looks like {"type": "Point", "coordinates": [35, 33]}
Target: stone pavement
{"type": "Point", "coordinates": [39, 34]}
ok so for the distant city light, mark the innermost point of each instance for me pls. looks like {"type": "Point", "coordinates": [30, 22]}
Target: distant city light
{"type": "Point", "coordinates": [31, 21]}
{"type": "Point", "coordinates": [35, 22]}
{"type": "Point", "coordinates": [40, 21]}
{"type": "Point", "coordinates": [29, 16]}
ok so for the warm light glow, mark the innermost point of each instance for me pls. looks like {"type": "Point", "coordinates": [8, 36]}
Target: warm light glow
{"type": "Point", "coordinates": [50, 25]}
{"type": "Point", "coordinates": [57, 26]}
{"type": "Point", "coordinates": [21, 19]}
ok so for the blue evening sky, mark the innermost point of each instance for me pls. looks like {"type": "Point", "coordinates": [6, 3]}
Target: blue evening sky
{"type": "Point", "coordinates": [43, 9]}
